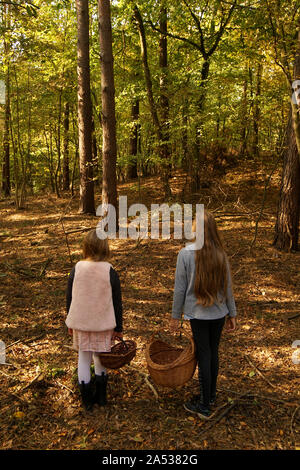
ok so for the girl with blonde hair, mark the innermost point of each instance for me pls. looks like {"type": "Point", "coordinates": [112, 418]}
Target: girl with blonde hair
{"type": "Point", "coordinates": [203, 293]}
{"type": "Point", "coordinates": [94, 307]}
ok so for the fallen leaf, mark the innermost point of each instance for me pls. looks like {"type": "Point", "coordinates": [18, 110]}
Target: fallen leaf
{"type": "Point", "coordinates": [137, 438]}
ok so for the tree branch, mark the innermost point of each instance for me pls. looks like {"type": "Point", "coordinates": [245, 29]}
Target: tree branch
{"type": "Point", "coordinates": [174, 36]}
{"type": "Point", "coordinates": [198, 24]}
{"type": "Point", "coordinates": [222, 29]}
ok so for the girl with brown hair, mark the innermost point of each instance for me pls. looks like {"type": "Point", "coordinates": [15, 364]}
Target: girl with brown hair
{"type": "Point", "coordinates": [203, 292]}
{"type": "Point", "coordinates": [94, 307]}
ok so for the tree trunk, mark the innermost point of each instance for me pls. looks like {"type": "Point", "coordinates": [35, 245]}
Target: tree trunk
{"type": "Point", "coordinates": [58, 147]}
{"type": "Point", "coordinates": [296, 102]}
{"type": "Point", "coordinates": [287, 223]}
{"type": "Point", "coordinates": [95, 152]}
{"type": "Point", "coordinates": [6, 148]}
{"type": "Point", "coordinates": [195, 184]}
{"type": "Point", "coordinates": [256, 112]}
{"type": "Point", "coordinates": [50, 159]}
{"type": "Point", "coordinates": [86, 203]}
{"type": "Point", "coordinates": [134, 140]}
{"type": "Point", "coordinates": [152, 105]}
{"type": "Point", "coordinates": [66, 169]}
{"type": "Point", "coordinates": [164, 100]}
{"type": "Point", "coordinates": [244, 119]}
{"type": "Point", "coordinates": [109, 147]}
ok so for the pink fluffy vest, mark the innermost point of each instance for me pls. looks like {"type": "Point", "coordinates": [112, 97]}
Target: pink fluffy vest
{"type": "Point", "coordinates": [92, 306]}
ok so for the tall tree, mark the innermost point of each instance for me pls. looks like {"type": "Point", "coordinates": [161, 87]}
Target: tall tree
{"type": "Point", "coordinates": [109, 149]}
{"type": "Point", "coordinates": [287, 222]}
{"type": "Point", "coordinates": [66, 170]}
{"type": "Point", "coordinates": [164, 99]}
{"type": "Point", "coordinates": [151, 100]}
{"type": "Point", "coordinates": [86, 203]}
{"type": "Point", "coordinates": [134, 139]}
{"type": "Point", "coordinates": [203, 25]}
{"type": "Point", "coordinates": [256, 110]}
{"type": "Point", "coordinates": [286, 46]}
{"type": "Point", "coordinates": [6, 145]}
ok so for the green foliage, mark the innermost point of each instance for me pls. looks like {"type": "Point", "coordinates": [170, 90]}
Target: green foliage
{"type": "Point", "coordinates": [42, 60]}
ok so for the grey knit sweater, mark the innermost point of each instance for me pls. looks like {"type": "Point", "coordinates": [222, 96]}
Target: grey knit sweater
{"type": "Point", "coordinates": [184, 299]}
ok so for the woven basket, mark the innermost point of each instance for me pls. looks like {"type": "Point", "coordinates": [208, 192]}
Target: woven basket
{"type": "Point", "coordinates": [169, 366]}
{"type": "Point", "coordinates": [120, 355]}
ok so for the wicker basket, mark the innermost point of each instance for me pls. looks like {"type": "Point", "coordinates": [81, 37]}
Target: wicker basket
{"type": "Point", "coordinates": [120, 355]}
{"type": "Point", "coordinates": [169, 366]}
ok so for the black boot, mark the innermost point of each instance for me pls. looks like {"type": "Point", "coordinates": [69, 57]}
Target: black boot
{"type": "Point", "coordinates": [101, 384]}
{"type": "Point", "coordinates": [86, 395]}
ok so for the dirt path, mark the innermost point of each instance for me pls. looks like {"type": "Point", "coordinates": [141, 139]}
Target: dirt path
{"type": "Point", "coordinates": [40, 406]}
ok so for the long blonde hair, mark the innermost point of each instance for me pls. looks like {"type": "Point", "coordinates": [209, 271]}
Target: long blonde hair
{"type": "Point", "coordinates": [211, 265]}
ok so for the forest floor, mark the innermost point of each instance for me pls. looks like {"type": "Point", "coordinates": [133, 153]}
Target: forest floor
{"type": "Point", "coordinates": [40, 406]}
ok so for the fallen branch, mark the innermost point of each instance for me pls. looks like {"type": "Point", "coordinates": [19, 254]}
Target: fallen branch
{"type": "Point", "coordinates": [64, 386]}
{"type": "Point", "coordinates": [44, 267]}
{"type": "Point", "coordinates": [224, 413]}
{"type": "Point", "coordinates": [84, 229]}
{"type": "Point", "coordinates": [6, 375]}
{"type": "Point", "coordinates": [294, 316]}
{"type": "Point", "coordinates": [8, 364]}
{"type": "Point", "coordinates": [259, 372]}
{"type": "Point", "coordinates": [32, 381]}
{"type": "Point", "coordinates": [146, 377]}
{"type": "Point", "coordinates": [12, 344]}
{"type": "Point", "coordinates": [263, 397]}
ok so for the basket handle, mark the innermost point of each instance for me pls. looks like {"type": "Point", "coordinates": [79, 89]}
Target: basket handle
{"type": "Point", "coordinates": [124, 343]}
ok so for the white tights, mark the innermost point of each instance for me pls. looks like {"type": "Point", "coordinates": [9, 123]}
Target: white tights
{"type": "Point", "coordinates": [84, 366]}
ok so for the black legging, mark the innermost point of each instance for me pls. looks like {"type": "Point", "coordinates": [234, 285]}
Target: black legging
{"type": "Point", "coordinates": [207, 334]}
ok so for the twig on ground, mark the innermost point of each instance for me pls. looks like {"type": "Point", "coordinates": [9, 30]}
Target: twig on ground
{"type": "Point", "coordinates": [224, 413]}
{"type": "Point", "coordinates": [69, 347]}
{"type": "Point", "coordinates": [258, 371]}
{"type": "Point", "coordinates": [8, 364]}
{"type": "Point", "coordinates": [263, 397]}
{"type": "Point", "coordinates": [146, 377]}
{"type": "Point", "coordinates": [12, 344]}
{"type": "Point", "coordinates": [6, 375]}
{"type": "Point", "coordinates": [32, 381]}
{"type": "Point", "coordinates": [64, 386]}
{"type": "Point", "coordinates": [84, 229]}
{"type": "Point", "coordinates": [294, 316]}
{"type": "Point", "coordinates": [44, 266]}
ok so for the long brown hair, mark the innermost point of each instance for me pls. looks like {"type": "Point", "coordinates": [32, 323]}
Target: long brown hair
{"type": "Point", "coordinates": [211, 265]}
{"type": "Point", "coordinates": [94, 248]}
